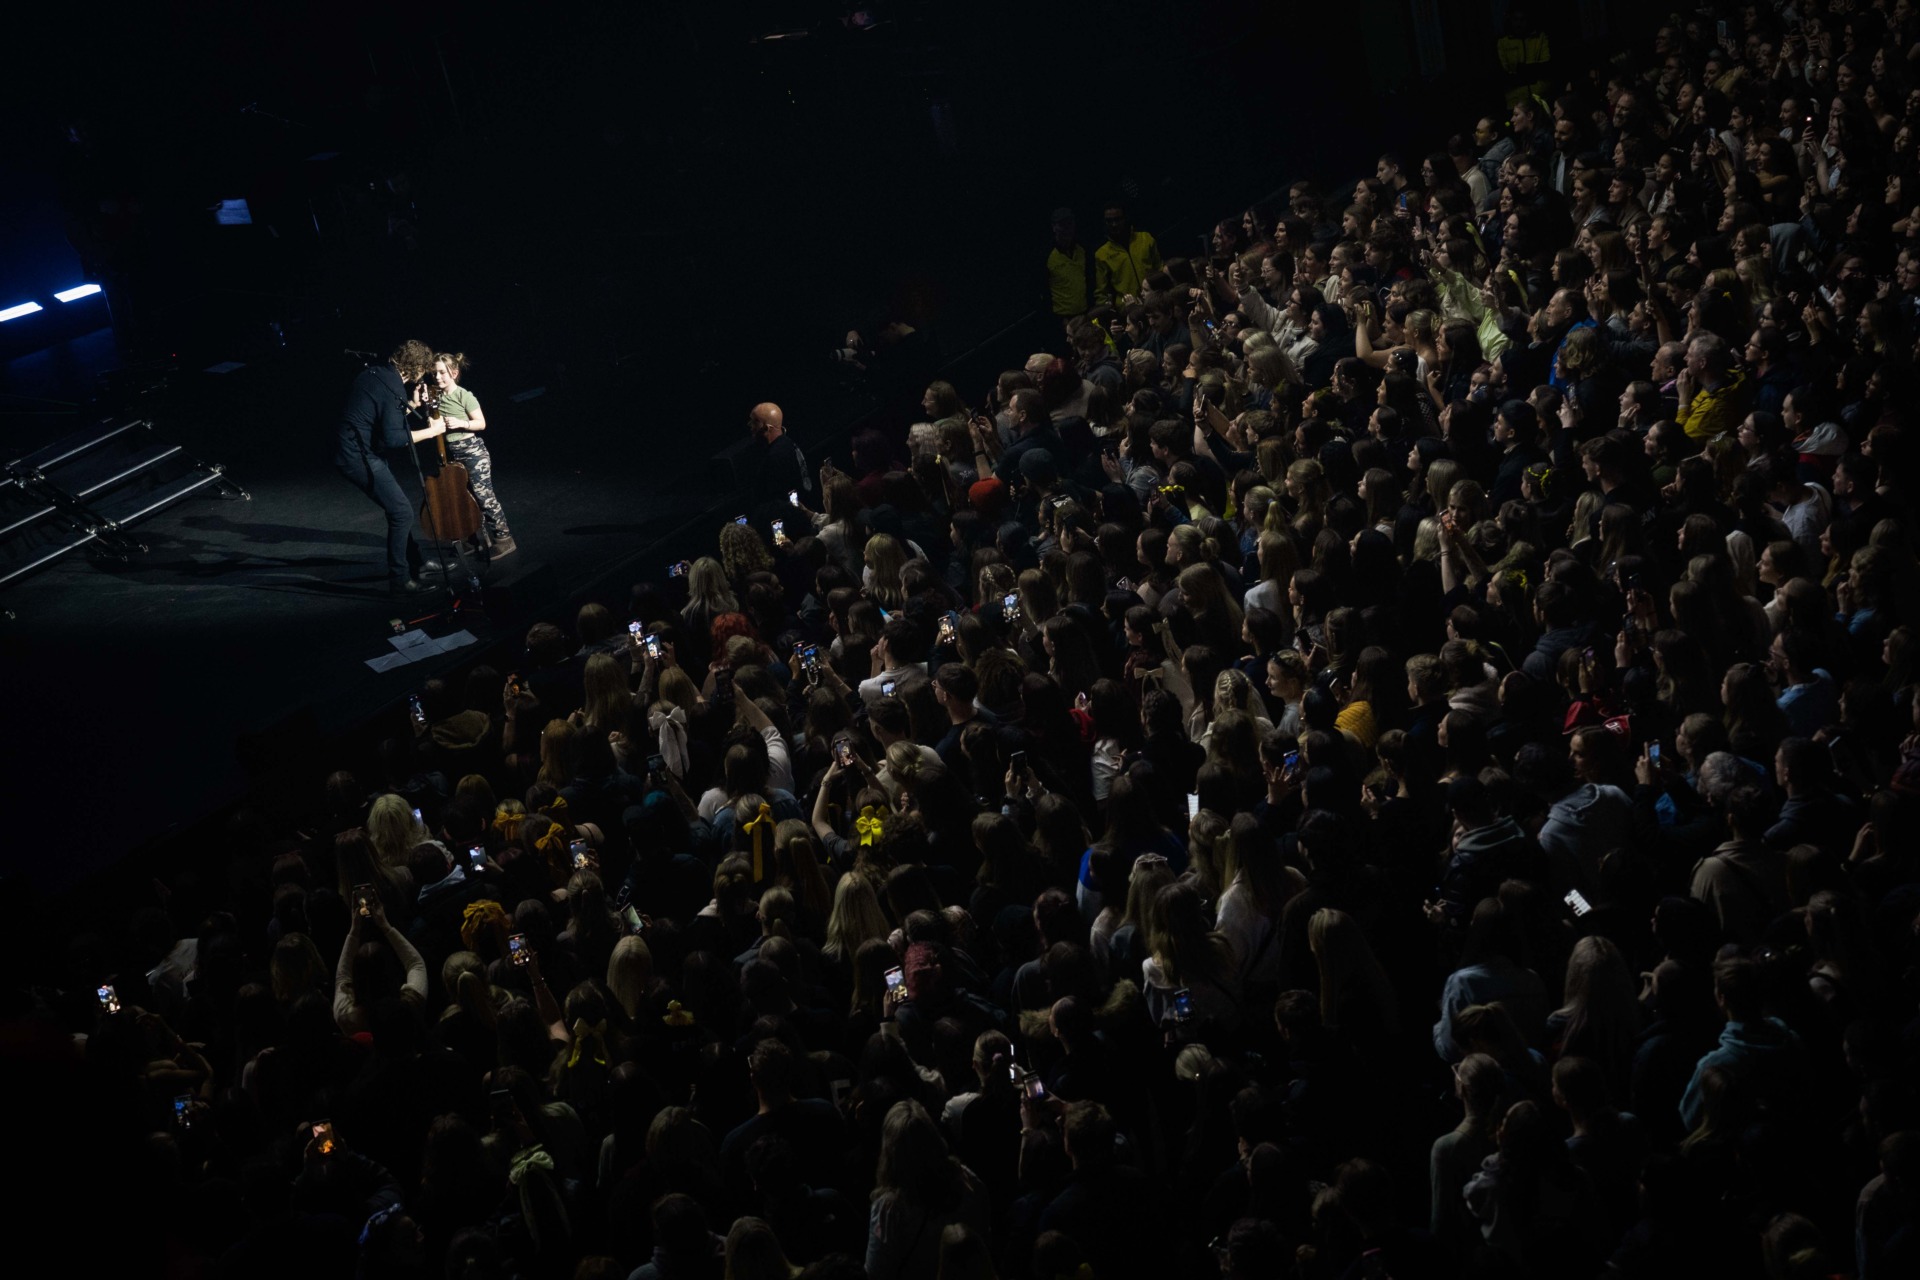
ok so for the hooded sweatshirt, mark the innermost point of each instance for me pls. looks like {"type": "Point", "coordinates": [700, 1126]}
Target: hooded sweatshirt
{"type": "Point", "coordinates": [1765, 1058]}
{"type": "Point", "coordinates": [1481, 860]}
{"type": "Point", "coordinates": [1581, 826]}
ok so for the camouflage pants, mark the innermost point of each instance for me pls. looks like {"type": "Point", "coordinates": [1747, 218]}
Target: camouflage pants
{"type": "Point", "coordinates": [471, 453]}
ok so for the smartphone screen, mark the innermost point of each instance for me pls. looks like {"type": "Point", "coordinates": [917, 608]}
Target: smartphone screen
{"type": "Point", "coordinates": [1183, 1004]}
{"type": "Point", "coordinates": [636, 630]}
{"type": "Point", "coordinates": [887, 688]}
{"type": "Point", "coordinates": [779, 528]}
{"type": "Point", "coordinates": [653, 647]}
{"type": "Point", "coordinates": [363, 899]}
{"type": "Point", "coordinates": [419, 711]}
{"type": "Point", "coordinates": [656, 765]}
{"type": "Point", "coordinates": [678, 569]}
{"type": "Point", "coordinates": [477, 858]}
{"type": "Point", "coordinates": [416, 815]}
{"type": "Point", "coordinates": [793, 497]}
{"type": "Point", "coordinates": [1017, 762]}
{"type": "Point", "coordinates": [582, 853]}
{"type": "Point", "coordinates": [109, 1000]}
{"type": "Point", "coordinates": [843, 753]}
{"type": "Point", "coordinates": [1653, 753]}
{"type": "Point", "coordinates": [896, 978]}
{"type": "Point", "coordinates": [1290, 761]}
{"type": "Point", "coordinates": [739, 519]}
{"type": "Point", "coordinates": [631, 917]}
{"type": "Point", "coordinates": [323, 1130]}
{"type": "Point", "coordinates": [517, 949]}
{"type": "Point", "coordinates": [1578, 901]}
{"type": "Point", "coordinates": [1010, 605]}
{"type": "Point", "coordinates": [1193, 805]}
{"type": "Point", "coordinates": [947, 628]}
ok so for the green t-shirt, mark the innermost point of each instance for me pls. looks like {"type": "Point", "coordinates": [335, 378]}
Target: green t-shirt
{"type": "Point", "coordinates": [457, 404]}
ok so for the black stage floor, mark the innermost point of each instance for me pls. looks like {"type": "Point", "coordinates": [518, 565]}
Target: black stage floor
{"type": "Point", "coordinates": [138, 692]}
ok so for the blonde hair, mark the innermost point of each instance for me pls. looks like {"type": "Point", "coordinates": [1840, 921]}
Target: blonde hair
{"type": "Point", "coordinates": [1232, 691]}
{"type": "Point", "coordinates": [1195, 547]}
{"type": "Point", "coordinates": [630, 973]}
{"type": "Point", "coordinates": [392, 831]}
{"type": "Point", "coordinates": [708, 588]}
{"type": "Point", "coordinates": [904, 762]}
{"type": "Point", "coordinates": [677, 688]}
{"type": "Point", "coordinates": [856, 917]}
{"type": "Point", "coordinates": [1209, 852]}
{"type": "Point", "coordinates": [886, 557]}
{"type": "Point", "coordinates": [1279, 557]}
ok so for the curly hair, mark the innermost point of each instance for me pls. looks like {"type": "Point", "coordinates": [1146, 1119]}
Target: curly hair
{"type": "Point", "coordinates": [742, 552]}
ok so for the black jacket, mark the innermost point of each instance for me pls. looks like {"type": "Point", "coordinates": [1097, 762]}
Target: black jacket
{"type": "Point", "coordinates": [374, 419]}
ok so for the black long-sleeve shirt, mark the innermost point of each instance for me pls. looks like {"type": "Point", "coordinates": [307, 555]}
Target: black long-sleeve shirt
{"type": "Point", "coordinates": [374, 419]}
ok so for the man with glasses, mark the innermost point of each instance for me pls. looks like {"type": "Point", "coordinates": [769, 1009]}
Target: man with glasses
{"type": "Point", "coordinates": [1530, 187]}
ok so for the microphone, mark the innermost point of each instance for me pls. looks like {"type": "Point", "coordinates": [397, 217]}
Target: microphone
{"type": "Point", "coordinates": [362, 355]}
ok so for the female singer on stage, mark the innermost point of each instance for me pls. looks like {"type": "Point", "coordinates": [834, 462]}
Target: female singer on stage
{"type": "Point", "coordinates": [464, 423]}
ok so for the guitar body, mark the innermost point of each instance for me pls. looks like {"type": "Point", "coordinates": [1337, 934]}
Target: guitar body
{"type": "Point", "coordinates": [449, 513]}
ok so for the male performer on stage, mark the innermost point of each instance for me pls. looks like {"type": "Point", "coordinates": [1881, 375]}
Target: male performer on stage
{"type": "Point", "coordinates": [372, 451]}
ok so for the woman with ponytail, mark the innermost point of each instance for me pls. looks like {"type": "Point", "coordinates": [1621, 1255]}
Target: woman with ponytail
{"type": "Point", "coordinates": [796, 862]}
{"type": "Point", "coordinates": [467, 1024]}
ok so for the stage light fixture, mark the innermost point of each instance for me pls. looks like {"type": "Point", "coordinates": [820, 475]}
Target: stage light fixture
{"type": "Point", "coordinates": [78, 292]}
{"type": "Point", "coordinates": [24, 309]}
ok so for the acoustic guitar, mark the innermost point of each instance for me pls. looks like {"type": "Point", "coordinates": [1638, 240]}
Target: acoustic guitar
{"type": "Point", "coordinates": [449, 513]}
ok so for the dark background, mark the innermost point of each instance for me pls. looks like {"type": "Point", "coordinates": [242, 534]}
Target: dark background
{"type": "Point", "coordinates": [654, 213]}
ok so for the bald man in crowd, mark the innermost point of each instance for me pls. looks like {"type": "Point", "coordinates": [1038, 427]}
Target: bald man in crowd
{"type": "Point", "coordinates": [774, 465]}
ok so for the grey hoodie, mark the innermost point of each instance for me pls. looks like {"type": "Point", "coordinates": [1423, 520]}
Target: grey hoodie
{"type": "Point", "coordinates": [1582, 825]}
{"type": "Point", "coordinates": [1765, 1057]}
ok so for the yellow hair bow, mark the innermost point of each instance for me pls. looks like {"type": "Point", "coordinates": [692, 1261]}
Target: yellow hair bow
{"type": "Point", "coordinates": [508, 825]}
{"type": "Point", "coordinates": [554, 842]}
{"type": "Point", "coordinates": [482, 914]}
{"type": "Point", "coordinates": [676, 1015]}
{"type": "Point", "coordinates": [760, 829]}
{"type": "Point", "coordinates": [589, 1039]}
{"type": "Point", "coordinates": [868, 825]}
{"type": "Point", "coordinates": [556, 808]}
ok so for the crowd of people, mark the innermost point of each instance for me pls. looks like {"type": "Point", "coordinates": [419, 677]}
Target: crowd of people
{"type": "Point", "coordinates": [1391, 753]}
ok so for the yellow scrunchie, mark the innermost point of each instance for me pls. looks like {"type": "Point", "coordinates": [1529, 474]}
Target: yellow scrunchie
{"type": "Point", "coordinates": [589, 1039]}
{"type": "Point", "coordinates": [868, 825]}
{"type": "Point", "coordinates": [483, 914]}
{"type": "Point", "coordinates": [761, 828]}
